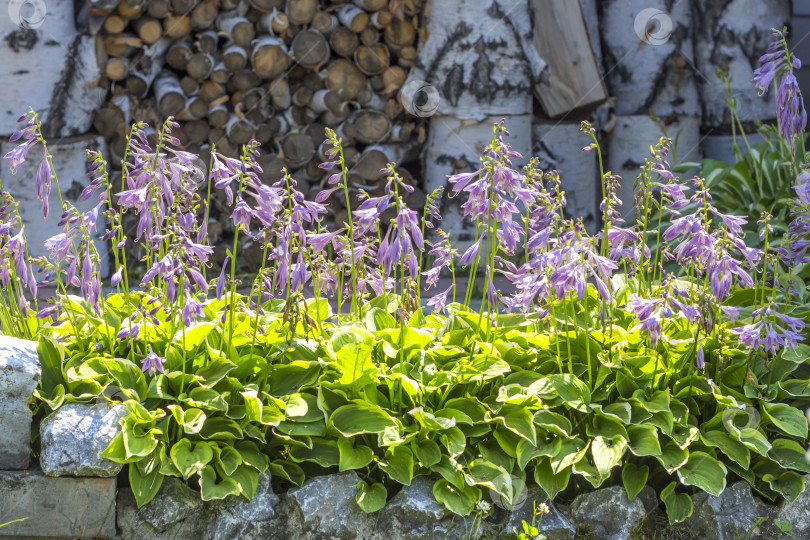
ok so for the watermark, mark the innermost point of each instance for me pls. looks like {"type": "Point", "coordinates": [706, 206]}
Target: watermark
{"type": "Point", "coordinates": [111, 393]}
{"type": "Point", "coordinates": [518, 498]}
{"type": "Point", "coordinates": [27, 14]}
{"type": "Point", "coordinates": [420, 98]}
{"type": "Point", "coordinates": [653, 26]}
{"type": "Point", "coordinates": [742, 417]}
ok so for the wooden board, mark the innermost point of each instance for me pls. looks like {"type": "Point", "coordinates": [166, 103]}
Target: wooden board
{"type": "Point", "coordinates": [561, 36]}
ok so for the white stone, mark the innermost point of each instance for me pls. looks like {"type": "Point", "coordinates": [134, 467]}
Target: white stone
{"type": "Point", "coordinates": [19, 375]}
{"type": "Point", "coordinates": [73, 437]}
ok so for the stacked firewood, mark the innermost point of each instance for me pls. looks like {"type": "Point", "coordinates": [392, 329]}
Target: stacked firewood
{"type": "Point", "coordinates": [279, 71]}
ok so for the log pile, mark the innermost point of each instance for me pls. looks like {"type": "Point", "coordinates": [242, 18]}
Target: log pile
{"type": "Point", "coordinates": [279, 71]}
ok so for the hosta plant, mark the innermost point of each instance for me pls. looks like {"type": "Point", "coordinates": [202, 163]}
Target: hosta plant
{"type": "Point", "coordinates": [603, 365]}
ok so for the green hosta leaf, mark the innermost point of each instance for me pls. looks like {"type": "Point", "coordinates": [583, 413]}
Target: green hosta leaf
{"type": "Point", "coordinates": [684, 435]}
{"type": "Point", "coordinates": [659, 403]}
{"type": "Point", "coordinates": [643, 440]}
{"type": "Point", "coordinates": [287, 378]}
{"type": "Point", "coordinates": [190, 459]}
{"type": "Point", "coordinates": [311, 429]}
{"type": "Point", "coordinates": [496, 478]}
{"type": "Point", "coordinates": [267, 414]}
{"type": "Point", "coordinates": [51, 356]}
{"type": "Point", "coordinates": [135, 444]}
{"type": "Point", "coordinates": [324, 452]}
{"type": "Point", "coordinates": [230, 459]}
{"type": "Point", "coordinates": [192, 420]}
{"type": "Point", "coordinates": [753, 439]}
{"type": "Point", "coordinates": [129, 377]}
{"type": "Point", "coordinates": [221, 429]}
{"type": "Point", "coordinates": [573, 392]}
{"type": "Point", "coordinates": [788, 419]}
{"type": "Point", "coordinates": [704, 472]}
{"type": "Point", "coordinates": [607, 453]}
{"type": "Point", "coordinates": [552, 483]}
{"type": "Point", "coordinates": [430, 421]}
{"type": "Point", "coordinates": [450, 470]}
{"type": "Point", "coordinates": [453, 439]}
{"type": "Point", "coordinates": [251, 455]}
{"type": "Point", "coordinates": [192, 337]}
{"type": "Point", "coordinates": [370, 498]}
{"type": "Point", "coordinates": [672, 456]}
{"type": "Point", "coordinates": [116, 451]}
{"type": "Point", "coordinates": [215, 370]}
{"type": "Point", "coordinates": [351, 350]}
{"type": "Point", "coordinates": [398, 464]}
{"type": "Point", "coordinates": [678, 505]}
{"type": "Point", "coordinates": [571, 452]}
{"type": "Point", "coordinates": [789, 454]}
{"type": "Point", "coordinates": [519, 420]}
{"type": "Point", "coordinates": [144, 486]}
{"type": "Point", "coordinates": [620, 411]}
{"type": "Point", "coordinates": [206, 398]}
{"type": "Point", "coordinates": [459, 500]}
{"type": "Point", "coordinates": [356, 418]}
{"type": "Point", "coordinates": [378, 319]}
{"type": "Point", "coordinates": [427, 452]}
{"type": "Point", "coordinates": [526, 451]}
{"type": "Point", "coordinates": [735, 450]}
{"type": "Point", "coordinates": [211, 490]}
{"type": "Point", "coordinates": [351, 456]}
{"type": "Point", "coordinates": [789, 484]}
{"type": "Point", "coordinates": [288, 470]}
{"type": "Point", "coordinates": [55, 399]}
{"type": "Point", "coordinates": [247, 480]}
{"type": "Point", "coordinates": [555, 423]}
{"type": "Point", "coordinates": [634, 479]}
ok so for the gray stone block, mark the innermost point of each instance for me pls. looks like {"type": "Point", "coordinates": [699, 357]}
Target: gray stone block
{"type": "Point", "coordinates": [732, 515]}
{"type": "Point", "coordinates": [608, 513]}
{"type": "Point", "coordinates": [75, 435]}
{"type": "Point", "coordinates": [176, 513]}
{"type": "Point", "coordinates": [56, 507]}
{"type": "Point", "coordinates": [19, 375]}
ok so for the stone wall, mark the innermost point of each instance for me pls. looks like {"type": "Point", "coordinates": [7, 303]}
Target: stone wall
{"type": "Point", "coordinates": [69, 491]}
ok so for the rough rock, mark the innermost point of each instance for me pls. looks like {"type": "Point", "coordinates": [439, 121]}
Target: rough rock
{"type": "Point", "coordinates": [75, 435]}
{"type": "Point", "coordinates": [554, 525]}
{"type": "Point", "coordinates": [176, 512]}
{"type": "Point", "coordinates": [414, 512]}
{"type": "Point", "coordinates": [236, 517]}
{"type": "Point", "coordinates": [56, 507]}
{"type": "Point", "coordinates": [731, 515]}
{"type": "Point", "coordinates": [797, 513]}
{"type": "Point", "coordinates": [608, 513]}
{"type": "Point", "coordinates": [328, 507]}
{"type": "Point", "coordinates": [19, 375]}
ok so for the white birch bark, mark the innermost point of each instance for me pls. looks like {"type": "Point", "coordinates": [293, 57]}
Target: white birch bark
{"type": "Point", "coordinates": [71, 169]}
{"type": "Point", "coordinates": [647, 45]}
{"type": "Point", "coordinates": [735, 33]}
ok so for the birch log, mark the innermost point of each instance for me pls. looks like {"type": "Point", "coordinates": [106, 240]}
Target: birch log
{"type": "Point", "coordinates": [629, 145]}
{"type": "Point", "coordinates": [478, 64]}
{"type": "Point", "coordinates": [559, 147]}
{"type": "Point", "coordinates": [647, 50]}
{"type": "Point", "coordinates": [575, 77]}
{"type": "Point", "coordinates": [735, 33]}
{"type": "Point", "coordinates": [71, 169]}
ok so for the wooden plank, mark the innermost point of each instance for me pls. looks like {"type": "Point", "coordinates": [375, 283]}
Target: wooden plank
{"type": "Point", "coordinates": [561, 37]}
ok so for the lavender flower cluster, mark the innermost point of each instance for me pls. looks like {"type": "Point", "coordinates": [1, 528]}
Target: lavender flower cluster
{"type": "Point", "coordinates": [559, 272]}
